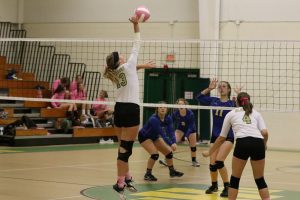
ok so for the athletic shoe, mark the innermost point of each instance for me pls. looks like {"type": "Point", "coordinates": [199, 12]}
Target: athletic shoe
{"type": "Point", "coordinates": [120, 191]}
{"type": "Point", "coordinates": [195, 164]}
{"type": "Point", "coordinates": [150, 177]}
{"type": "Point", "coordinates": [130, 186]}
{"type": "Point", "coordinates": [224, 193]}
{"type": "Point", "coordinates": [211, 190]}
{"type": "Point", "coordinates": [174, 173]}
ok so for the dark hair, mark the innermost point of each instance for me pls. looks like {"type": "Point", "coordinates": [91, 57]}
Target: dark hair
{"type": "Point", "coordinates": [182, 99]}
{"type": "Point", "coordinates": [243, 99]}
{"type": "Point", "coordinates": [112, 60]}
{"type": "Point", "coordinates": [66, 81]}
{"type": "Point", "coordinates": [229, 86]}
{"type": "Point", "coordinates": [59, 89]}
{"type": "Point", "coordinates": [105, 93]}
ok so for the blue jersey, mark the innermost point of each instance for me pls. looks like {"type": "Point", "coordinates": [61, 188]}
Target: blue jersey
{"type": "Point", "coordinates": [218, 115]}
{"type": "Point", "coordinates": [185, 123]}
{"type": "Point", "coordinates": [156, 128]}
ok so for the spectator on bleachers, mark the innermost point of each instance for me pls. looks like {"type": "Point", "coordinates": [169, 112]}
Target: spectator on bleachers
{"type": "Point", "coordinates": [61, 93]}
{"type": "Point", "coordinates": [80, 94]}
{"type": "Point", "coordinates": [102, 111]}
{"type": "Point", "coordinates": [64, 82]}
{"type": "Point", "coordinates": [75, 82]}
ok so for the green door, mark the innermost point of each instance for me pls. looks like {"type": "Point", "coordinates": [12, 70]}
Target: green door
{"type": "Point", "coordinates": [171, 84]}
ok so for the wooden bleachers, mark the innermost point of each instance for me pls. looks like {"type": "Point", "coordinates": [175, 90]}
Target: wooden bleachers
{"type": "Point", "coordinates": [95, 132]}
{"type": "Point", "coordinates": [26, 88]}
{"type": "Point", "coordinates": [22, 84]}
{"type": "Point", "coordinates": [36, 104]}
{"type": "Point", "coordinates": [10, 112]}
{"type": "Point", "coordinates": [23, 75]}
{"type": "Point", "coordinates": [2, 60]}
{"type": "Point", "coordinates": [53, 113]}
{"type": "Point", "coordinates": [31, 93]}
{"type": "Point", "coordinates": [7, 121]}
{"type": "Point", "coordinates": [7, 67]}
{"type": "Point", "coordinates": [31, 132]}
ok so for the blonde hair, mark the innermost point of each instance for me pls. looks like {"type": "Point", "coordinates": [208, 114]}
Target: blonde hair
{"type": "Point", "coordinates": [111, 75]}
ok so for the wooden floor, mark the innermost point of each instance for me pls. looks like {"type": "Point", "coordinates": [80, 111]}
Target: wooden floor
{"type": "Point", "coordinates": [85, 172]}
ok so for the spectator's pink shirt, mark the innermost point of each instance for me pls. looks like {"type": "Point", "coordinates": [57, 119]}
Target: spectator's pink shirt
{"type": "Point", "coordinates": [57, 96]}
{"type": "Point", "coordinates": [55, 84]}
{"type": "Point", "coordinates": [73, 86]}
{"type": "Point", "coordinates": [99, 107]}
{"type": "Point", "coordinates": [81, 95]}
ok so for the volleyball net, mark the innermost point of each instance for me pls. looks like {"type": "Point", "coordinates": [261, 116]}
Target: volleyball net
{"type": "Point", "coordinates": [267, 70]}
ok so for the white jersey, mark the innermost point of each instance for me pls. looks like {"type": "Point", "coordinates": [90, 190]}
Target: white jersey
{"type": "Point", "coordinates": [128, 83]}
{"type": "Point", "coordinates": [242, 125]}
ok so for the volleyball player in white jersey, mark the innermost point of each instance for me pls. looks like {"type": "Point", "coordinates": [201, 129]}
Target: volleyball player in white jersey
{"type": "Point", "coordinates": [127, 111]}
{"type": "Point", "coordinates": [251, 141]}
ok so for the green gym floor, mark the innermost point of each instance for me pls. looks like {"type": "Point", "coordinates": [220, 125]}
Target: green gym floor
{"type": "Point", "coordinates": [83, 172]}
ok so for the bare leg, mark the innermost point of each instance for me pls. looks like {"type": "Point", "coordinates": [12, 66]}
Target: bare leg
{"type": "Point", "coordinates": [221, 156]}
{"type": "Point", "coordinates": [151, 149]}
{"type": "Point", "coordinates": [238, 166]}
{"type": "Point", "coordinates": [258, 167]}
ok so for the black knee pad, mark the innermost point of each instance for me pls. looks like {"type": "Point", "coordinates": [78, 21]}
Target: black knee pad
{"type": "Point", "coordinates": [193, 149]}
{"type": "Point", "coordinates": [170, 155]}
{"type": "Point", "coordinates": [219, 164]}
{"type": "Point", "coordinates": [261, 183]}
{"type": "Point", "coordinates": [127, 146]}
{"type": "Point", "coordinates": [213, 168]}
{"type": "Point", "coordinates": [154, 156]}
{"type": "Point", "coordinates": [234, 182]}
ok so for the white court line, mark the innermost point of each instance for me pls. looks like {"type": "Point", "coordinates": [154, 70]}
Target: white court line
{"type": "Point", "coordinates": [64, 166]}
{"type": "Point", "coordinates": [66, 197]}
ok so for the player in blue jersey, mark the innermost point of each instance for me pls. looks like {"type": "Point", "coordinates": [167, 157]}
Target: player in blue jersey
{"type": "Point", "coordinates": [218, 157]}
{"type": "Point", "coordinates": [186, 127]}
{"type": "Point", "coordinates": [158, 135]}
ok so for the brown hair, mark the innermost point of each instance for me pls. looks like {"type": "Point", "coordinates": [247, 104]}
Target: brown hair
{"type": "Point", "coordinates": [111, 75]}
{"type": "Point", "coordinates": [182, 99]}
{"type": "Point", "coordinates": [243, 100]}
{"type": "Point", "coordinates": [105, 93]}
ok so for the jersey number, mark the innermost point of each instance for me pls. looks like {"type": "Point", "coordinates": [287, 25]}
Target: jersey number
{"type": "Point", "coordinates": [219, 113]}
{"type": "Point", "coordinates": [122, 80]}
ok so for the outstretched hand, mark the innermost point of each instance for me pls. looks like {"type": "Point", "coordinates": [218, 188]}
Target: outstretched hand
{"type": "Point", "coordinates": [238, 89]}
{"type": "Point", "coordinates": [213, 84]}
{"type": "Point", "coordinates": [134, 19]}
{"type": "Point", "coordinates": [150, 64]}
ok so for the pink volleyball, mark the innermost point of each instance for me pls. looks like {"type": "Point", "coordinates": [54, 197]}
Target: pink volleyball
{"type": "Point", "coordinates": [142, 13]}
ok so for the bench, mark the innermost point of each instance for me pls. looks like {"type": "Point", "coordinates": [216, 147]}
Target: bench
{"type": "Point", "coordinates": [22, 84]}
{"type": "Point", "coordinates": [36, 104]}
{"type": "Point", "coordinates": [31, 93]}
{"type": "Point", "coordinates": [31, 132]}
{"type": "Point", "coordinates": [53, 113]}
{"type": "Point", "coordinates": [94, 132]}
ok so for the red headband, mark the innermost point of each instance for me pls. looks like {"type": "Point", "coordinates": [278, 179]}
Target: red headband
{"type": "Point", "coordinates": [244, 101]}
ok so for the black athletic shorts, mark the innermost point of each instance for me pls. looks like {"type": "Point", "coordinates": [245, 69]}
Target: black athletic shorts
{"type": "Point", "coordinates": [142, 138]}
{"type": "Point", "coordinates": [249, 147]}
{"type": "Point", "coordinates": [126, 114]}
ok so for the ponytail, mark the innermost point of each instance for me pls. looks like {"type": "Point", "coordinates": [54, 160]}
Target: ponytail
{"type": "Point", "coordinates": [243, 100]}
{"type": "Point", "coordinates": [111, 75]}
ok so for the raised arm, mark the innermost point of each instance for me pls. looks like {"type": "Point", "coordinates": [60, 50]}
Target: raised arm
{"type": "Point", "coordinates": [149, 65]}
{"type": "Point", "coordinates": [212, 86]}
{"type": "Point", "coordinates": [132, 61]}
